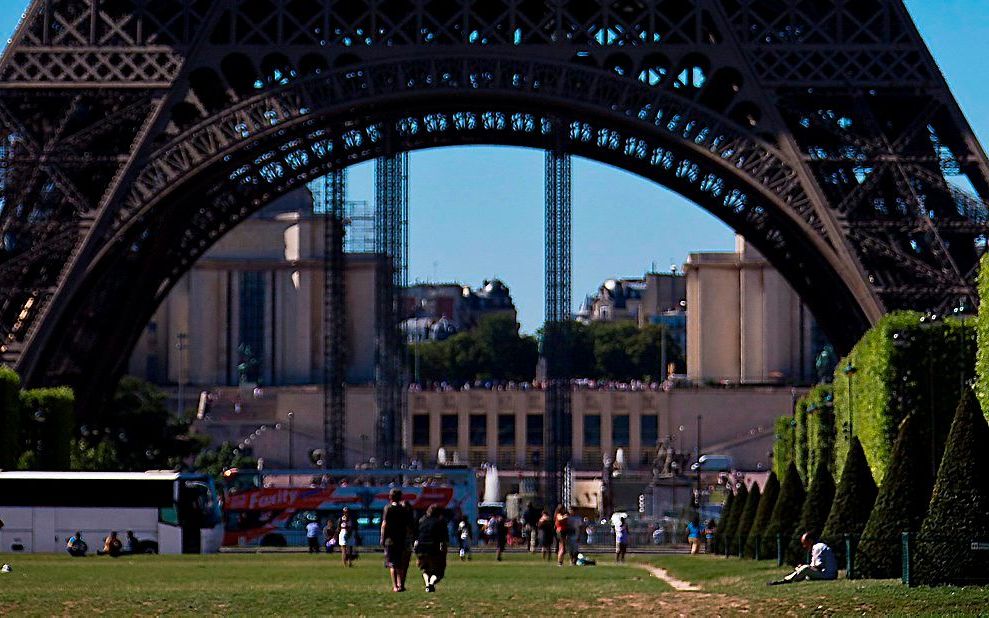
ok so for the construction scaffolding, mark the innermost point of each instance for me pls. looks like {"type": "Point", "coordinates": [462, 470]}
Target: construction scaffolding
{"type": "Point", "coordinates": [330, 200]}
{"type": "Point", "coordinates": [391, 213]}
{"type": "Point", "coordinates": [559, 245]}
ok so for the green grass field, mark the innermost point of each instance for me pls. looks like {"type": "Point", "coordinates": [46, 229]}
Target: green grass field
{"type": "Point", "coordinates": [300, 584]}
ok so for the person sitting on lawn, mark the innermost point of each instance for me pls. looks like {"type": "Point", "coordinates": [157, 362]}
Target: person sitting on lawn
{"type": "Point", "coordinates": [823, 565]}
{"type": "Point", "coordinates": [111, 546]}
{"type": "Point", "coordinates": [76, 547]}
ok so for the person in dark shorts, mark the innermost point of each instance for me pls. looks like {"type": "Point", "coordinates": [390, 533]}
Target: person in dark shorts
{"type": "Point", "coordinates": [431, 545]}
{"type": "Point", "coordinates": [546, 535]}
{"type": "Point", "coordinates": [499, 528]}
{"type": "Point", "coordinates": [396, 528]}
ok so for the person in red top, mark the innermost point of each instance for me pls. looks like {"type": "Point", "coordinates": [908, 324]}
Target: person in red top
{"type": "Point", "coordinates": [561, 521]}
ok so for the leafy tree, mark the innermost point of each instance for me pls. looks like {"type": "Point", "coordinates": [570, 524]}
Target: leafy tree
{"type": "Point", "coordinates": [11, 425]}
{"type": "Point", "coordinates": [959, 505]}
{"type": "Point", "coordinates": [756, 536]}
{"type": "Point", "coordinates": [813, 515]}
{"type": "Point", "coordinates": [900, 506]}
{"type": "Point", "coordinates": [853, 501]}
{"type": "Point", "coordinates": [786, 514]}
{"type": "Point", "coordinates": [748, 516]}
{"type": "Point", "coordinates": [137, 427]}
{"type": "Point", "coordinates": [494, 350]}
{"type": "Point", "coordinates": [611, 349]}
{"type": "Point", "coordinates": [215, 461]}
{"type": "Point", "coordinates": [732, 523]}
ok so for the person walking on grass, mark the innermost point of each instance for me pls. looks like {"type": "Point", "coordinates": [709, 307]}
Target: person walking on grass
{"type": "Point", "coordinates": [431, 545]}
{"type": "Point", "coordinates": [565, 541]}
{"type": "Point", "coordinates": [621, 539]}
{"type": "Point", "coordinates": [694, 532]}
{"type": "Point", "coordinates": [822, 567]}
{"type": "Point", "coordinates": [347, 539]}
{"type": "Point", "coordinates": [396, 530]}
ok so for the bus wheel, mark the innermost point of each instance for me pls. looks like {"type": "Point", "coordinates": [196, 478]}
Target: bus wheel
{"type": "Point", "coordinates": [274, 540]}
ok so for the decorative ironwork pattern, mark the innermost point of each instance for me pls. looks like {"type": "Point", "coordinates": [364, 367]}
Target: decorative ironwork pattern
{"type": "Point", "coordinates": [135, 132]}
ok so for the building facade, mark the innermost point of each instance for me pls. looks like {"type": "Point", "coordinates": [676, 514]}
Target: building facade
{"type": "Point", "coordinates": [434, 311]}
{"type": "Point", "coordinates": [506, 426]}
{"type": "Point", "coordinates": [637, 300]}
{"type": "Point", "coordinates": [745, 324]}
{"type": "Point", "coordinates": [251, 309]}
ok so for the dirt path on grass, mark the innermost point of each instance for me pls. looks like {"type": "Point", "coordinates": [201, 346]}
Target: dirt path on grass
{"type": "Point", "coordinates": [677, 584]}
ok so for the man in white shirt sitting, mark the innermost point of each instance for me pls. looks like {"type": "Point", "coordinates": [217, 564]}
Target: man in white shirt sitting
{"type": "Point", "coordinates": [823, 565]}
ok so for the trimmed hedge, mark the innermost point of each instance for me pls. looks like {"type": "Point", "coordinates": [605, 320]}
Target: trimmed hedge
{"type": "Point", "coordinates": [981, 384]}
{"type": "Point", "coordinates": [786, 512]}
{"type": "Point", "coordinates": [853, 502]}
{"type": "Point", "coordinates": [10, 418]}
{"type": "Point", "coordinates": [748, 517]}
{"type": "Point", "coordinates": [767, 547]}
{"type": "Point", "coordinates": [959, 505]}
{"type": "Point", "coordinates": [900, 505]}
{"type": "Point", "coordinates": [783, 446]}
{"type": "Point", "coordinates": [813, 513]}
{"type": "Point", "coordinates": [731, 524]}
{"type": "Point", "coordinates": [53, 414]}
{"type": "Point", "coordinates": [814, 430]}
{"type": "Point", "coordinates": [719, 532]}
{"type": "Point", "coordinates": [906, 363]}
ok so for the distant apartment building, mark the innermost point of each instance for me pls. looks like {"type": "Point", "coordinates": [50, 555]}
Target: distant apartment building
{"type": "Point", "coordinates": [745, 324]}
{"type": "Point", "coordinates": [637, 300]}
{"type": "Point", "coordinates": [436, 311]}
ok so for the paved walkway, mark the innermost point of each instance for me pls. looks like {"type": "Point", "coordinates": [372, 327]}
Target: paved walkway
{"type": "Point", "coordinates": [659, 573]}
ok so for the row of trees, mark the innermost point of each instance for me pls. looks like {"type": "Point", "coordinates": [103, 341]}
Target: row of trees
{"type": "Point", "coordinates": [946, 516]}
{"type": "Point", "coordinates": [133, 432]}
{"type": "Point", "coordinates": [496, 350]}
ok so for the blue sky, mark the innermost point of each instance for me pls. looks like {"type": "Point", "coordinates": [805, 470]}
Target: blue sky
{"type": "Point", "coordinates": [476, 212]}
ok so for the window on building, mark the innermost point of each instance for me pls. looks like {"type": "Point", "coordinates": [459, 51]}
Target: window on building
{"type": "Point", "coordinates": [649, 430]}
{"type": "Point", "coordinates": [534, 429]}
{"type": "Point", "coordinates": [592, 430]}
{"type": "Point", "coordinates": [449, 429]}
{"type": "Point", "coordinates": [619, 430]}
{"type": "Point", "coordinates": [478, 430]}
{"type": "Point", "coordinates": [506, 430]}
{"type": "Point", "coordinates": [420, 430]}
{"type": "Point", "coordinates": [250, 350]}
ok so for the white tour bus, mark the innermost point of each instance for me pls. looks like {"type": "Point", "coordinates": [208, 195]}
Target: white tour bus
{"type": "Point", "coordinates": [169, 512]}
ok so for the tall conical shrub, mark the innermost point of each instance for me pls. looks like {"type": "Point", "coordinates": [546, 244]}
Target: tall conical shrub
{"type": "Point", "coordinates": [731, 525]}
{"type": "Point", "coordinates": [747, 518]}
{"type": "Point", "coordinates": [959, 510]}
{"type": "Point", "coordinates": [900, 506]}
{"type": "Point", "coordinates": [786, 513]}
{"type": "Point", "coordinates": [758, 530]}
{"type": "Point", "coordinates": [853, 501]}
{"type": "Point", "coordinates": [719, 532]}
{"type": "Point", "coordinates": [814, 512]}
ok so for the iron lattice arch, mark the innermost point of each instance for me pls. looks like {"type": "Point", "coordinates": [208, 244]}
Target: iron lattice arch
{"type": "Point", "coordinates": [136, 132]}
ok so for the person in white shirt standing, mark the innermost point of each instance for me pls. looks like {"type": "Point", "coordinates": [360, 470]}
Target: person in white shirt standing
{"type": "Point", "coordinates": [823, 565]}
{"type": "Point", "coordinates": [313, 530]}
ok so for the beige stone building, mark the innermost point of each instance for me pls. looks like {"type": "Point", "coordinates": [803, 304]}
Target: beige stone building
{"type": "Point", "coordinates": [256, 298]}
{"type": "Point", "coordinates": [506, 427]}
{"type": "Point", "coordinates": [745, 324]}
{"type": "Point", "coordinates": [638, 300]}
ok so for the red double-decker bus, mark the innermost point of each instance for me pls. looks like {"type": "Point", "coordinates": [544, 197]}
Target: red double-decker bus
{"type": "Point", "coordinates": [272, 509]}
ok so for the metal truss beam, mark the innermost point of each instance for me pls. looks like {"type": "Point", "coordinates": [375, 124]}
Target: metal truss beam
{"type": "Point", "coordinates": [391, 208]}
{"type": "Point", "coordinates": [558, 423]}
{"type": "Point", "coordinates": [334, 199]}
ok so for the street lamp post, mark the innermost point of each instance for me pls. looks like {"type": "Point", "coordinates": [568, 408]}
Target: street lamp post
{"type": "Point", "coordinates": [180, 345]}
{"type": "Point", "coordinates": [291, 440]}
{"type": "Point", "coordinates": [849, 371]}
{"type": "Point", "coordinates": [698, 461]}
{"type": "Point", "coordinates": [960, 312]}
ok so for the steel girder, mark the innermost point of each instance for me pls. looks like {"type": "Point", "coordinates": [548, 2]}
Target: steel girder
{"type": "Point", "coordinates": [135, 132]}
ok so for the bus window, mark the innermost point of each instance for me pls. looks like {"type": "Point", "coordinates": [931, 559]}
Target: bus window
{"type": "Point", "coordinates": [168, 515]}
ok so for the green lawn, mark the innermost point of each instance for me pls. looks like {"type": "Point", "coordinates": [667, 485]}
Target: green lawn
{"type": "Point", "coordinates": [294, 584]}
{"type": "Point", "coordinates": [300, 584]}
{"type": "Point", "coordinates": [742, 584]}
